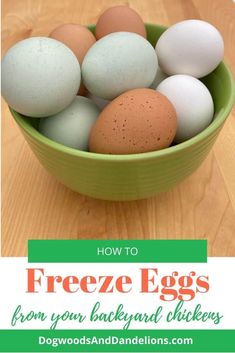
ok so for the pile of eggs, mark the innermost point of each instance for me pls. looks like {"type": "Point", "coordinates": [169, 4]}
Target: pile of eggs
{"type": "Point", "coordinates": [112, 92]}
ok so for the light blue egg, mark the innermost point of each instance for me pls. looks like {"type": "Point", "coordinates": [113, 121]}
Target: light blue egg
{"type": "Point", "coordinates": [72, 126]}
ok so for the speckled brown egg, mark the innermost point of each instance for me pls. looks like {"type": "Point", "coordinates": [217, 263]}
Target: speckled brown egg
{"type": "Point", "coordinates": [78, 38]}
{"type": "Point", "coordinates": [119, 19]}
{"type": "Point", "coordinates": [140, 120]}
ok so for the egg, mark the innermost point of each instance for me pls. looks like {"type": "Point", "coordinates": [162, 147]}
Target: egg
{"type": "Point", "coordinates": [160, 76]}
{"type": "Point", "coordinates": [140, 120]}
{"type": "Point", "coordinates": [100, 102]}
{"type": "Point", "coordinates": [119, 19]}
{"type": "Point", "coordinates": [117, 63]}
{"type": "Point", "coordinates": [78, 38]}
{"type": "Point", "coordinates": [40, 76]}
{"type": "Point", "coordinates": [193, 104]}
{"type": "Point", "coordinates": [72, 126]}
{"type": "Point", "coordinates": [191, 47]}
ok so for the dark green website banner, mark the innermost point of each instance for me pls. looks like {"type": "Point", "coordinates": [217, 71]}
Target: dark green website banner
{"type": "Point", "coordinates": [117, 341]}
{"type": "Point", "coordinates": [130, 251]}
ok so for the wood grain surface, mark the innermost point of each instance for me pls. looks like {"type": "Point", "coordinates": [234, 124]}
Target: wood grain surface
{"type": "Point", "coordinates": [36, 206]}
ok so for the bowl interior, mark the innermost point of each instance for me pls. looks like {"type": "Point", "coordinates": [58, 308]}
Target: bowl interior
{"type": "Point", "coordinates": [219, 82]}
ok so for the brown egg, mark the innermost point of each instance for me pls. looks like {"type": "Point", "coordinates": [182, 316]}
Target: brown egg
{"type": "Point", "coordinates": [140, 120]}
{"type": "Point", "coordinates": [119, 19]}
{"type": "Point", "coordinates": [78, 38]}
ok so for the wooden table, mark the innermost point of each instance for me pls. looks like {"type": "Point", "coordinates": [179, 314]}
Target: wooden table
{"type": "Point", "coordinates": [36, 206]}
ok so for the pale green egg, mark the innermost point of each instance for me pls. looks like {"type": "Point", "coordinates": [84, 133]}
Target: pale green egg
{"type": "Point", "coordinates": [72, 126]}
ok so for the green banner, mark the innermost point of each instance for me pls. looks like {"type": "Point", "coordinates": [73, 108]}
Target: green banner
{"type": "Point", "coordinates": [131, 251]}
{"type": "Point", "coordinates": [117, 341]}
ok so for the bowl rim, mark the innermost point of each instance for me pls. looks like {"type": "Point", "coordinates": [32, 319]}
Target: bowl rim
{"type": "Point", "coordinates": [215, 124]}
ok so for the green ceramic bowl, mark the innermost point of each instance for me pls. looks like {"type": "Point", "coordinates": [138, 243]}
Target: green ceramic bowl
{"type": "Point", "coordinates": [138, 176]}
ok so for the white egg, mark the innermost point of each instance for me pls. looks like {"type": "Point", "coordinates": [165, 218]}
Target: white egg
{"type": "Point", "coordinates": [193, 104]}
{"type": "Point", "coordinates": [190, 47]}
{"type": "Point", "coordinates": [160, 76]}
{"type": "Point", "coordinates": [72, 126]}
{"type": "Point", "coordinates": [40, 76]}
{"type": "Point", "coordinates": [117, 63]}
{"type": "Point", "coordinates": [100, 102]}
